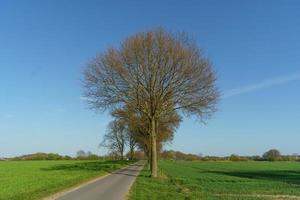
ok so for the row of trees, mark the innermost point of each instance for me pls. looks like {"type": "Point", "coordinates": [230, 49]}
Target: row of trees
{"type": "Point", "coordinates": [82, 155]}
{"type": "Point", "coordinates": [147, 84]}
{"type": "Point", "coordinates": [177, 155]}
{"type": "Point", "coordinates": [42, 156]}
{"type": "Point", "coordinates": [112, 155]}
{"type": "Point", "coordinates": [271, 155]}
{"type": "Point", "coordinates": [274, 154]}
{"type": "Point", "coordinates": [118, 137]}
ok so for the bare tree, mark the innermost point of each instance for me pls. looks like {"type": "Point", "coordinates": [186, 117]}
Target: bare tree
{"type": "Point", "coordinates": [124, 118]}
{"type": "Point", "coordinates": [115, 138]}
{"type": "Point", "coordinates": [132, 143]}
{"type": "Point", "coordinates": [138, 128]}
{"type": "Point", "coordinates": [81, 154]}
{"type": "Point", "coordinates": [154, 73]}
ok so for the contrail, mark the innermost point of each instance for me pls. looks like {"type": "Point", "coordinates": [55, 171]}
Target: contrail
{"type": "Point", "coordinates": [262, 85]}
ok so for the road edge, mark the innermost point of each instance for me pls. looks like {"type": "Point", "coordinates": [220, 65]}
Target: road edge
{"type": "Point", "coordinates": [71, 189]}
{"type": "Point", "coordinates": [127, 195]}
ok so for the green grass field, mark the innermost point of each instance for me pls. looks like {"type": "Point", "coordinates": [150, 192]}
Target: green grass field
{"type": "Point", "coordinates": [30, 180]}
{"type": "Point", "coordinates": [220, 180]}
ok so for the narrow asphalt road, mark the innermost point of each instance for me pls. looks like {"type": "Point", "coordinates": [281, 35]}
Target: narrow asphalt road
{"type": "Point", "coordinates": [112, 187]}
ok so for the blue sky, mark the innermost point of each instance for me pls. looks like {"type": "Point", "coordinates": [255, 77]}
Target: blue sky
{"type": "Point", "coordinates": [253, 45]}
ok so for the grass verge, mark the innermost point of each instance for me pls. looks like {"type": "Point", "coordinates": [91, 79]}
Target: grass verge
{"type": "Point", "coordinates": [32, 180]}
{"type": "Point", "coordinates": [163, 187]}
{"type": "Point", "coordinates": [186, 180]}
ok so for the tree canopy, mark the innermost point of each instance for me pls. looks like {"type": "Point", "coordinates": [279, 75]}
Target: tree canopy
{"type": "Point", "coordinates": [157, 75]}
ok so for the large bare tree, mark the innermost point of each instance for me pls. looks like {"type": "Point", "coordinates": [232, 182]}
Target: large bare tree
{"type": "Point", "coordinates": [154, 73]}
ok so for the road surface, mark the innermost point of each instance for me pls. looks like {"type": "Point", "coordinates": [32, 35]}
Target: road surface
{"type": "Point", "coordinates": [112, 187]}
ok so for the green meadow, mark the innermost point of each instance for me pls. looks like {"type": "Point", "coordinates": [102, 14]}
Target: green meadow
{"type": "Point", "coordinates": [219, 180]}
{"type": "Point", "coordinates": [30, 180]}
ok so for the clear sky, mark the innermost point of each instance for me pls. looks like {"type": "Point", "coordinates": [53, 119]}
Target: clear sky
{"type": "Point", "coordinates": [253, 45]}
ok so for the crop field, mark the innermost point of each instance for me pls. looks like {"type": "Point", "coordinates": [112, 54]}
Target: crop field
{"type": "Point", "coordinates": [30, 180]}
{"type": "Point", "coordinates": [220, 180]}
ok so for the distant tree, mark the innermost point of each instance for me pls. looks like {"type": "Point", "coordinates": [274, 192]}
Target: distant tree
{"type": "Point", "coordinates": [292, 157]}
{"type": "Point", "coordinates": [234, 157]}
{"type": "Point", "coordinates": [256, 158]}
{"type": "Point", "coordinates": [295, 156]}
{"type": "Point", "coordinates": [168, 155]}
{"type": "Point", "coordinates": [92, 156]}
{"type": "Point", "coordinates": [81, 154]}
{"type": "Point", "coordinates": [272, 155]}
{"type": "Point", "coordinates": [124, 118]}
{"type": "Point", "coordinates": [177, 155]}
{"type": "Point", "coordinates": [40, 156]}
{"type": "Point", "coordinates": [115, 138]}
{"type": "Point", "coordinates": [154, 73]}
{"type": "Point", "coordinates": [138, 129]}
{"type": "Point", "coordinates": [67, 158]}
{"type": "Point", "coordinates": [132, 143]}
{"type": "Point", "coordinates": [89, 153]}
{"type": "Point", "coordinates": [139, 155]}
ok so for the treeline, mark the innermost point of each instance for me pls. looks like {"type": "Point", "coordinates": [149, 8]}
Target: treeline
{"type": "Point", "coordinates": [42, 156]}
{"type": "Point", "coordinates": [177, 155]}
{"type": "Point", "coordinates": [81, 155]}
{"type": "Point", "coordinates": [135, 155]}
{"type": "Point", "coordinates": [55, 156]}
{"type": "Point", "coordinates": [271, 155]}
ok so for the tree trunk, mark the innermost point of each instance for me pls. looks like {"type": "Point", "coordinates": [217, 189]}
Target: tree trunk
{"type": "Point", "coordinates": [153, 163]}
{"type": "Point", "coordinates": [131, 153]}
{"type": "Point", "coordinates": [122, 156]}
{"type": "Point", "coordinates": [150, 153]}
